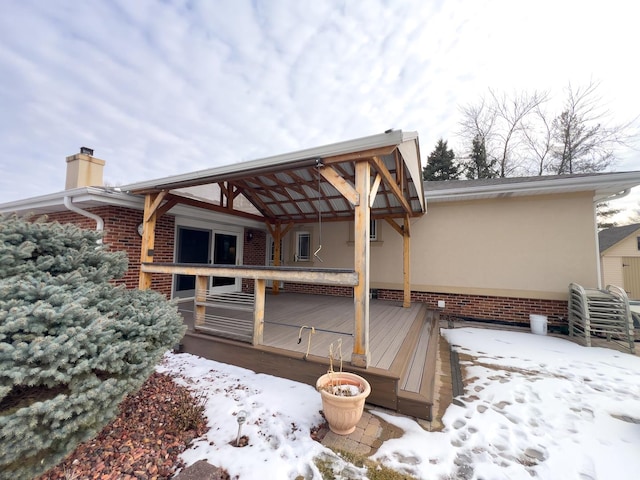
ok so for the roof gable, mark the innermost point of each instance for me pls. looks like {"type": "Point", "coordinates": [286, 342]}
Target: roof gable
{"type": "Point", "coordinates": [611, 236]}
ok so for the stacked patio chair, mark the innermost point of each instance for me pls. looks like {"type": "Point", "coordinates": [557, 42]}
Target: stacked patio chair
{"type": "Point", "coordinates": [600, 313]}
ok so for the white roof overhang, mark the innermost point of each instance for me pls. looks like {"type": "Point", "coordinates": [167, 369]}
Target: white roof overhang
{"type": "Point", "coordinates": [288, 188]}
{"type": "Point", "coordinates": [603, 186]}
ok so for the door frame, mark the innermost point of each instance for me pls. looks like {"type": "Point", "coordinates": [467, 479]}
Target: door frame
{"type": "Point", "coordinates": [213, 228]}
{"type": "Point", "coordinates": [237, 285]}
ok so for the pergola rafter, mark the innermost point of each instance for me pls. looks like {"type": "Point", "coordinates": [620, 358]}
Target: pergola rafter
{"type": "Point", "coordinates": [372, 177]}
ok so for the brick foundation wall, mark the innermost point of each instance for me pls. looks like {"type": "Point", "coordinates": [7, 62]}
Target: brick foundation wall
{"type": "Point", "coordinates": [334, 290]}
{"type": "Point", "coordinates": [482, 307]}
{"type": "Point", "coordinates": [121, 233]}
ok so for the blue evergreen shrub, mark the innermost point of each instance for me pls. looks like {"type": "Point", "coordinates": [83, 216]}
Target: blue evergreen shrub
{"type": "Point", "coordinates": [72, 343]}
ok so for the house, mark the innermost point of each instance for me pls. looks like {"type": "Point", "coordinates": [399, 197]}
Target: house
{"type": "Point", "coordinates": [620, 258]}
{"type": "Point", "coordinates": [275, 259]}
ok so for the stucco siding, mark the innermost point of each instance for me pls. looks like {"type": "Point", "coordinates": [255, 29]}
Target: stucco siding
{"type": "Point", "coordinates": [335, 252]}
{"type": "Point", "coordinates": [526, 246]}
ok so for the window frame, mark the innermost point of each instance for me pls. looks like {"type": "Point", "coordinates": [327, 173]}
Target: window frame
{"type": "Point", "coordinates": [373, 230]}
{"type": "Point", "coordinates": [298, 256]}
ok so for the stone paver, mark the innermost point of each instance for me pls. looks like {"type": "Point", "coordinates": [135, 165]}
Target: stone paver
{"type": "Point", "coordinates": [372, 431]}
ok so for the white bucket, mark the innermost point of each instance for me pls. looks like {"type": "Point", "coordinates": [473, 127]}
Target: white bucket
{"type": "Point", "coordinates": [538, 324]}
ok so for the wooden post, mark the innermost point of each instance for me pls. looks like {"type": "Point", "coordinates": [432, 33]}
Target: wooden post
{"type": "Point", "coordinates": [200, 299]}
{"type": "Point", "coordinates": [148, 239]}
{"type": "Point", "coordinates": [277, 232]}
{"type": "Point", "coordinates": [258, 311]}
{"type": "Point", "coordinates": [406, 269]}
{"type": "Point", "coordinates": [277, 236]}
{"type": "Point", "coordinates": [361, 355]}
{"type": "Point", "coordinates": [405, 231]}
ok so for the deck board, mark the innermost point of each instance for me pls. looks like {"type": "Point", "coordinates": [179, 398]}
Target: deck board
{"type": "Point", "coordinates": [392, 339]}
{"type": "Point", "coordinates": [388, 325]}
{"type": "Point", "coordinates": [413, 380]}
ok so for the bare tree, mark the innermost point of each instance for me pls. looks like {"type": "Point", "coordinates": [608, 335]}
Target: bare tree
{"type": "Point", "coordinates": [511, 113]}
{"type": "Point", "coordinates": [584, 141]}
{"type": "Point", "coordinates": [500, 122]}
{"type": "Point", "coordinates": [478, 121]}
{"type": "Point", "coordinates": [538, 139]}
{"type": "Point", "coordinates": [521, 137]}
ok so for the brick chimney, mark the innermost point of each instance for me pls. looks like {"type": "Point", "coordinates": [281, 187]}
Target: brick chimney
{"type": "Point", "coordinates": [84, 170]}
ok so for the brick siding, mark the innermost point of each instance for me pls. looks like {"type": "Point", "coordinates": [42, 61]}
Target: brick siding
{"type": "Point", "coordinates": [121, 233]}
{"type": "Point", "coordinates": [254, 252]}
{"type": "Point", "coordinates": [334, 290]}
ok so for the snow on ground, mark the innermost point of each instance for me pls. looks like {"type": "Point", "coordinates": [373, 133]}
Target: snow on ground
{"type": "Point", "coordinates": [546, 408]}
{"type": "Point", "coordinates": [534, 407]}
{"type": "Point", "coordinates": [280, 416]}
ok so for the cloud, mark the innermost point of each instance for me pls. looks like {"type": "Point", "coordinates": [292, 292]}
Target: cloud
{"type": "Point", "coordinates": [164, 87]}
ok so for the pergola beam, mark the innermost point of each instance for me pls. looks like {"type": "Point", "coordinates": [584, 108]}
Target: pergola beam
{"type": "Point", "coordinates": [339, 183]}
{"type": "Point", "coordinates": [391, 183]}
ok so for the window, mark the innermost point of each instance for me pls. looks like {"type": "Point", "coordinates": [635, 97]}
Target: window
{"type": "Point", "coordinates": [373, 230]}
{"type": "Point", "coordinates": [638, 240]}
{"type": "Point", "coordinates": [303, 246]}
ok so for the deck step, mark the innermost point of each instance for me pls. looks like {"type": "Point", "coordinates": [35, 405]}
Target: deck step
{"type": "Point", "coordinates": [417, 383]}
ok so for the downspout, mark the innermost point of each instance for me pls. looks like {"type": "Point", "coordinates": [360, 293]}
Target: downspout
{"type": "Point", "coordinates": [68, 202]}
{"type": "Point", "coordinates": [615, 196]}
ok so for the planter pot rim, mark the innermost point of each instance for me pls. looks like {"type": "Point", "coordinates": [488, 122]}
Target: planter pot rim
{"type": "Point", "coordinates": [349, 378]}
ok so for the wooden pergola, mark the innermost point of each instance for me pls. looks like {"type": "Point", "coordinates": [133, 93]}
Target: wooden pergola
{"type": "Point", "coordinates": [377, 177]}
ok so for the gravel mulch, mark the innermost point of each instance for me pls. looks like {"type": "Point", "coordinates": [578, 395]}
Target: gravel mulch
{"type": "Point", "coordinates": [155, 425]}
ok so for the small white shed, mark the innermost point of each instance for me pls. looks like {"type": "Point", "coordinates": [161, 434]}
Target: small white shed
{"type": "Point", "coordinates": [620, 258]}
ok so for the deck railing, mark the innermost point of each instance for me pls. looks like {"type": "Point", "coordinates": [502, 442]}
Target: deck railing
{"type": "Point", "coordinates": [260, 274]}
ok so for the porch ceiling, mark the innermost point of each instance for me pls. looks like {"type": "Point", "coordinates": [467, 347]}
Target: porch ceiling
{"type": "Point", "coordinates": [299, 186]}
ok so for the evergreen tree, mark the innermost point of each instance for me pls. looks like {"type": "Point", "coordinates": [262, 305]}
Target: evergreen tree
{"type": "Point", "coordinates": [441, 164]}
{"type": "Point", "coordinates": [72, 344]}
{"type": "Point", "coordinates": [604, 214]}
{"type": "Point", "coordinates": [479, 165]}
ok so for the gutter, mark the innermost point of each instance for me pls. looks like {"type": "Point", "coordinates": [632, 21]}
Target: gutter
{"type": "Point", "coordinates": [602, 182]}
{"type": "Point", "coordinates": [68, 202]}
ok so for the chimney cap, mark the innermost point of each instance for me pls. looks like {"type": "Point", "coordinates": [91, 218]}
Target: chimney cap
{"type": "Point", "coordinates": [86, 150]}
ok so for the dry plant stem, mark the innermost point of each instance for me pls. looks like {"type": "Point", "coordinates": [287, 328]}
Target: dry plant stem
{"type": "Point", "coordinates": [339, 386]}
{"type": "Point", "coordinates": [331, 371]}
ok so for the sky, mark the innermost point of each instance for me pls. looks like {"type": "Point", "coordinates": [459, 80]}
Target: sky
{"type": "Point", "coordinates": [534, 406]}
{"type": "Point", "coordinates": [161, 87]}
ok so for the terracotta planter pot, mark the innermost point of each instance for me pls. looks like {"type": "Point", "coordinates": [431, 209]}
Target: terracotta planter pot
{"type": "Point", "coordinates": [342, 412]}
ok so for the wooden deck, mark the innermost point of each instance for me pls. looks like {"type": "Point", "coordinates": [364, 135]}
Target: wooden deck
{"type": "Point", "coordinates": [403, 345]}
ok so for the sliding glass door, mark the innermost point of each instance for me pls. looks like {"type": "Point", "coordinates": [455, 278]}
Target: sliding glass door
{"type": "Point", "coordinates": [225, 252]}
{"type": "Point", "coordinates": [207, 246]}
